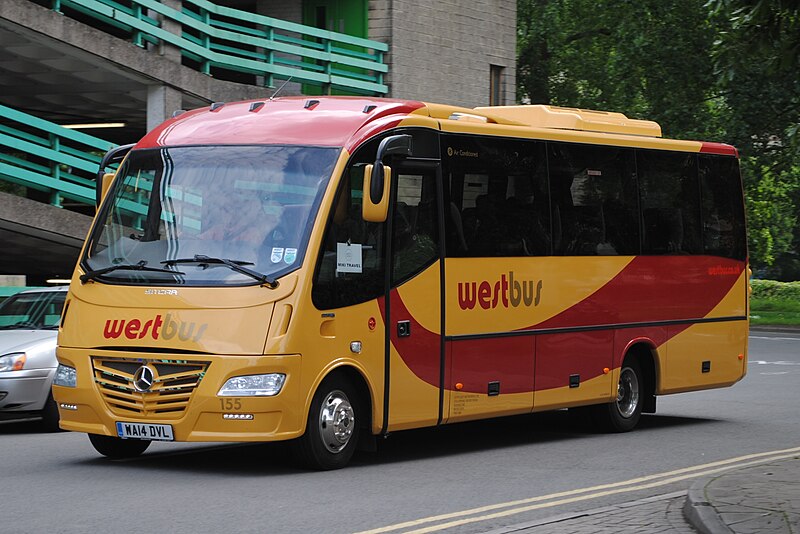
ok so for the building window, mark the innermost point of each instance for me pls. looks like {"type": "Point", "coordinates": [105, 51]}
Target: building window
{"type": "Point", "coordinates": [496, 93]}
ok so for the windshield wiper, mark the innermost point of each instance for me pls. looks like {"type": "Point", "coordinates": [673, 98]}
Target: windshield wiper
{"type": "Point", "coordinates": [141, 266]}
{"type": "Point", "coordinates": [234, 265]}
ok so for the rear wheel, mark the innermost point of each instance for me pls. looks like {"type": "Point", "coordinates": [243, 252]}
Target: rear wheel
{"type": "Point", "coordinates": [624, 413]}
{"type": "Point", "coordinates": [118, 448]}
{"type": "Point", "coordinates": [332, 427]}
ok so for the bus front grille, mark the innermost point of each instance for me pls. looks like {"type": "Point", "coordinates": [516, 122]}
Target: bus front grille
{"type": "Point", "coordinates": [158, 388]}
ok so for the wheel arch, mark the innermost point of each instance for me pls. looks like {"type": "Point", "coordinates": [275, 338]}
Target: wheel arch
{"type": "Point", "coordinates": [355, 376]}
{"type": "Point", "coordinates": [645, 353]}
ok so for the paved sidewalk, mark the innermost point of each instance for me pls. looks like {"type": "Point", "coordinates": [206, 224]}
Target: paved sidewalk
{"type": "Point", "coordinates": [760, 499]}
{"type": "Point", "coordinates": [661, 514]}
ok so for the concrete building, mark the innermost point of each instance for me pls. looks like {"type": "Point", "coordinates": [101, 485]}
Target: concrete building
{"type": "Point", "coordinates": [134, 62]}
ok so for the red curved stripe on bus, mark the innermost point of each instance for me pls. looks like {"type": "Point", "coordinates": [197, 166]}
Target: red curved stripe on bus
{"type": "Point", "coordinates": [645, 291]}
{"type": "Point", "coordinates": [420, 351]}
{"type": "Point", "coordinates": [651, 292]}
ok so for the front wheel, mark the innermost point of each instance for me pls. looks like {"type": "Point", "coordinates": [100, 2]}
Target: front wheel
{"type": "Point", "coordinates": [624, 413]}
{"type": "Point", "coordinates": [332, 427]}
{"type": "Point", "coordinates": [118, 448]}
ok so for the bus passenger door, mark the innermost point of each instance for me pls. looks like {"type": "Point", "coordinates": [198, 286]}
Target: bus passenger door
{"type": "Point", "coordinates": [413, 318]}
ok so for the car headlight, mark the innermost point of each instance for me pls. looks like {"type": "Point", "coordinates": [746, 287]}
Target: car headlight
{"type": "Point", "coordinates": [65, 376]}
{"type": "Point", "coordinates": [13, 362]}
{"type": "Point", "coordinates": [253, 385]}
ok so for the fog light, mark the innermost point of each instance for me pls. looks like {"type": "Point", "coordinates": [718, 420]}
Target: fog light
{"type": "Point", "coordinates": [66, 406]}
{"type": "Point", "coordinates": [239, 416]}
{"type": "Point", "coordinates": [65, 376]}
{"type": "Point", "coordinates": [253, 385]}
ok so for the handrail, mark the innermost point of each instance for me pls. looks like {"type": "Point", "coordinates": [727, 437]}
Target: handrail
{"type": "Point", "coordinates": [234, 40]}
{"type": "Point", "coordinates": [47, 157]}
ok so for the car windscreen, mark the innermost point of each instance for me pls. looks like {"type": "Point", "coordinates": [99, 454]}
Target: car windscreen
{"type": "Point", "coordinates": [38, 310]}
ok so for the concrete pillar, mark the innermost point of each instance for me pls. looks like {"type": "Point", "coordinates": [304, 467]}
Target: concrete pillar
{"type": "Point", "coordinates": [162, 101]}
{"type": "Point", "coordinates": [173, 53]}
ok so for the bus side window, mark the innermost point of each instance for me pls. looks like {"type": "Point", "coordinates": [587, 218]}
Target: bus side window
{"type": "Point", "coordinates": [723, 209]}
{"type": "Point", "coordinates": [670, 203]}
{"type": "Point", "coordinates": [499, 197]}
{"type": "Point", "coordinates": [594, 199]}
{"type": "Point", "coordinates": [338, 283]}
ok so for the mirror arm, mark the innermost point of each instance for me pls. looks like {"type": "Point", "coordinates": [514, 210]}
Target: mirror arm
{"type": "Point", "coordinates": [115, 155]}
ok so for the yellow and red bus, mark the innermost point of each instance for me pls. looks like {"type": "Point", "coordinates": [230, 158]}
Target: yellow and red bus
{"type": "Point", "coordinates": [328, 270]}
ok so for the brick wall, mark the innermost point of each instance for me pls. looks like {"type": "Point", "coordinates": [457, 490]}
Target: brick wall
{"type": "Point", "coordinates": [442, 51]}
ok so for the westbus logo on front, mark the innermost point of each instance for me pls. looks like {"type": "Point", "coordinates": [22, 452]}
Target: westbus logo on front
{"type": "Point", "coordinates": [137, 329]}
{"type": "Point", "coordinates": [506, 292]}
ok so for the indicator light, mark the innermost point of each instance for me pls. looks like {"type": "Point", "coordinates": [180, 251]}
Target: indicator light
{"type": "Point", "coordinates": [606, 370]}
{"type": "Point", "coordinates": [459, 386]}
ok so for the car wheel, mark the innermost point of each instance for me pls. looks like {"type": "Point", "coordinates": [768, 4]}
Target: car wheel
{"type": "Point", "coordinates": [50, 415]}
{"type": "Point", "coordinates": [332, 428]}
{"type": "Point", "coordinates": [118, 448]}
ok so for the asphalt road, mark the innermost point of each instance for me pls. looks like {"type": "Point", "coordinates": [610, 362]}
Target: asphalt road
{"type": "Point", "coordinates": [479, 476]}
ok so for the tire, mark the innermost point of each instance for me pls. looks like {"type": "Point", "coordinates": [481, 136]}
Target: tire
{"type": "Point", "coordinates": [50, 415]}
{"type": "Point", "coordinates": [332, 428]}
{"type": "Point", "coordinates": [118, 448]}
{"type": "Point", "coordinates": [624, 413]}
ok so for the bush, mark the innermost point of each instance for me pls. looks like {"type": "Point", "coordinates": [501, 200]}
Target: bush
{"type": "Point", "coordinates": [772, 290]}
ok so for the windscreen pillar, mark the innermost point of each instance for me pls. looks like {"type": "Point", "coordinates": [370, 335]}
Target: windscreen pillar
{"type": "Point", "coordinates": [162, 102]}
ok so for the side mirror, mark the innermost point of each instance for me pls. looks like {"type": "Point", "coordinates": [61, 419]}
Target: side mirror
{"type": "Point", "coordinates": [376, 210]}
{"type": "Point", "coordinates": [377, 178]}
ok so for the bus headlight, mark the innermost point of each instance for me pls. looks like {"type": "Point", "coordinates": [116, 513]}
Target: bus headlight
{"type": "Point", "coordinates": [65, 376]}
{"type": "Point", "coordinates": [253, 386]}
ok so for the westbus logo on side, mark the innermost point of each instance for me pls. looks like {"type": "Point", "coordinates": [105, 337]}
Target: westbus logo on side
{"type": "Point", "coordinates": [505, 292]}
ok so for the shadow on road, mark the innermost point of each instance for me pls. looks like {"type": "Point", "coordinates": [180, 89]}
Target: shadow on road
{"type": "Point", "coordinates": [275, 459]}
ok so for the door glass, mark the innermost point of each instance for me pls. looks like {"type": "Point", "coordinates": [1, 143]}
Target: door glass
{"type": "Point", "coordinates": [414, 225]}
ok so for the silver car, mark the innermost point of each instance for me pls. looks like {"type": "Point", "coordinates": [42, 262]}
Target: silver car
{"type": "Point", "coordinates": [28, 331]}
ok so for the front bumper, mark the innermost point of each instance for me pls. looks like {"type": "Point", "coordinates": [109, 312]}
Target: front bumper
{"type": "Point", "coordinates": [94, 408]}
{"type": "Point", "coordinates": [24, 392]}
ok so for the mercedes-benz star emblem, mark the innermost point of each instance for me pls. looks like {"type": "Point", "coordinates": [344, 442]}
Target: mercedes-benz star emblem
{"type": "Point", "coordinates": [143, 378]}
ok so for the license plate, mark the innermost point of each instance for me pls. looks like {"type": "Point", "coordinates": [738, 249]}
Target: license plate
{"type": "Point", "coordinates": [145, 431]}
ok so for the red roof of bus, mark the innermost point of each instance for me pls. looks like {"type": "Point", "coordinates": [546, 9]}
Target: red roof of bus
{"type": "Point", "coordinates": [325, 121]}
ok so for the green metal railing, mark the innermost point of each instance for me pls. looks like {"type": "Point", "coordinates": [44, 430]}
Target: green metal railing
{"type": "Point", "coordinates": [234, 40]}
{"type": "Point", "coordinates": [42, 155]}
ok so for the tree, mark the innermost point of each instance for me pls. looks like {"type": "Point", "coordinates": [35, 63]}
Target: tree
{"type": "Point", "coordinates": [726, 71]}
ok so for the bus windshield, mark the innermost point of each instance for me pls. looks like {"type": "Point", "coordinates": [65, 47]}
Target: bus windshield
{"type": "Point", "coordinates": [209, 215]}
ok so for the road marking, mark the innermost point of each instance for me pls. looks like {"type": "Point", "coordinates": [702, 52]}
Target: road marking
{"type": "Point", "coordinates": [777, 338]}
{"type": "Point", "coordinates": [418, 526]}
{"type": "Point", "coordinates": [779, 362]}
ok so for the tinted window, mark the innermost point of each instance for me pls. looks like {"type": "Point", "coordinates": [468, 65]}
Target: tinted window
{"type": "Point", "coordinates": [594, 197]}
{"type": "Point", "coordinates": [723, 207]}
{"type": "Point", "coordinates": [670, 200]}
{"type": "Point", "coordinates": [499, 203]}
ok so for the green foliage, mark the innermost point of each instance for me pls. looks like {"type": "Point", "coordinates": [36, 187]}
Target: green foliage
{"type": "Point", "coordinates": [771, 290]}
{"type": "Point", "coordinates": [771, 210]}
{"type": "Point", "coordinates": [725, 71]}
{"type": "Point", "coordinates": [775, 303]}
